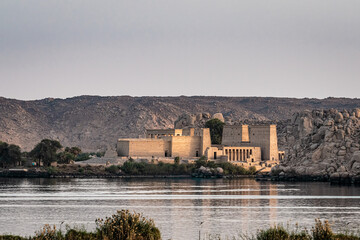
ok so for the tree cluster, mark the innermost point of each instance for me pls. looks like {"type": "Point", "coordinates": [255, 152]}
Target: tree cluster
{"type": "Point", "coordinates": [45, 152]}
{"type": "Point", "coordinates": [10, 154]}
{"type": "Point", "coordinates": [216, 129]}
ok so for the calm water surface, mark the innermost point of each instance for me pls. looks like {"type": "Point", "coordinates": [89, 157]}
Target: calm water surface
{"type": "Point", "coordinates": [180, 207]}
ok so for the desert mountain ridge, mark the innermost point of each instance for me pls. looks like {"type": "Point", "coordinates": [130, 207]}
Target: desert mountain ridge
{"type": "Point", "coordinates": [95, 123]}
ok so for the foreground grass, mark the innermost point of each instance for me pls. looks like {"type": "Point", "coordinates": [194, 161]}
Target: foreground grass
{"type": "Point", "coordinates": [321, 231]}
{"type": "Point", "coordinates": [127, 226]}
{"type": "Point", "coordinates": [122, 225]}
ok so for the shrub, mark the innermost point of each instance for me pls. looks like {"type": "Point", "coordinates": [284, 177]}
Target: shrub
{"type": "Point", "coordinates": [252, 170]}
{"type": "Point", "coordinates": [11, 237]}
{"type": "Point", "coordinates": [75, 234]}
{"type": "Point", "coordinates": [342, 236]}
{"type": "Point", "coordinates": [177, 160]}
{"type": "Point", "coordinates": [321, 230]}
{"type": "Point", "coordinates": [52, 170]}
{"type": "Point", "coordinates": [127, 226]}
{"type": "Point", "coordinates": [134, 168]}
{"type": "Point", "coordinates": [82, 157]}
{"type": "Point", "coordinates": [112, 169]}
{"type": "Point", "coordinates": [276, 232]}
{"type": "Point", "coordinates": [201, 162]}
{"type": "Point", "coordinates": [48, 233]}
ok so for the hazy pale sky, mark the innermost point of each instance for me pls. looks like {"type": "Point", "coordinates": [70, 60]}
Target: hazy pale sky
{"type": "Point", "coordinates": [293, 48]}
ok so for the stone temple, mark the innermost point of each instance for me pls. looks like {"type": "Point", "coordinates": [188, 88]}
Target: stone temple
{"type": "Point", "coordinates": [254, 145]}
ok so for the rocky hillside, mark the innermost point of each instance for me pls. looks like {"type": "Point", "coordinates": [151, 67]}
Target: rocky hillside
{"type": "Point", "coordinates": [95, 123]}
{"type": "Point", "coordinates": [322, 144]}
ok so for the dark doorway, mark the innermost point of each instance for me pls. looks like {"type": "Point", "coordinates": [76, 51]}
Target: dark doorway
{"type": "Point", "coordinates": [214, 155]}
{"type": "Point", "coordinates": [197, 153]}
{"type": "Point", "coordinates": [166, 154]}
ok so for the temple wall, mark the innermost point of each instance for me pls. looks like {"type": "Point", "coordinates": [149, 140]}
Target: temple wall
{"type": "Point", "coordinates": [186, 146]}
{"type": "Point", "coordinates": [144, 147]}
{"type": "Point", "coordinates": [266, 138]}
{"type": "Point", "coordinates": [235, 135]}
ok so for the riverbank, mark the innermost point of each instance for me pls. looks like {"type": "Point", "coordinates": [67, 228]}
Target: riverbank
{"type": "Point", "coordinates": [130, 170]}
{"type": "Point", "coordinates": [91, 172]}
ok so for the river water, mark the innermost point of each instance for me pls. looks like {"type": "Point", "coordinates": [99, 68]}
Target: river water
{"type": "Point", "coordinates": [181, 208]}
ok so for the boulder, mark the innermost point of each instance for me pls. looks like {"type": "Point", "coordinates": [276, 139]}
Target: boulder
{"type": "Point", "coordinates": [318, 122]}
{"type": "Point", "coordinates": [356, 156]}
{"type": "Point", "coordinates": [340, 134]}
{"type": "Point", "coordinates": [335, 175]}
{"type": "Point", "coordinates": [344, 174]}
{"type": "Point", "coordinates": [313, 146]}
{"type": "Point", "coordinates": [319, 135]}
{"type": "Point", "coordinates": [294, 119]}
{"type": "Point", "coordinates": [348, 131]}
{"type": "Point", "coordinates": [206, 115]}
{"type": "Point", "coordinates": [356, 168]}
{"type": "Point", "coordinates": [329, 122]}
{"type": "Point", "coordinates": [300, 170]}
{"type": "Point", "coordinates": [355, 145]}
{"type": "Point", "coordinates": [341, 169]}
{"type": "Point", "coordinates": [354, 149]}
{"type": "Point", "coordinates": [327, 151]}
{"type": "Point", "coordinates": [305, 126]}
{"type": "Point", "coordinates": [356, 112]}
{"type": "Point", "coordinates": [185, 120]}
{"type": "Point", "coordinates": [218, 116]}
{"type": "Point", "coordinates": [339, 117]}
{"type": "Point", "coordinates": [316, 155]}
{"type": "Point", "coordinates": [328, 135]}
{"type": "Point", "coordinates": [330, 170]}
{"type": "Point", "coordinates": [341, 153]}
{"type": "Point", "coordinates": [198, 116]}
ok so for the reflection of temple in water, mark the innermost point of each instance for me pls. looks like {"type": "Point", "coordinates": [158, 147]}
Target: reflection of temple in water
{"type": "Point", "coordinates": [244, 213]}
{"type": "Point", "coordinates": [210, 205]}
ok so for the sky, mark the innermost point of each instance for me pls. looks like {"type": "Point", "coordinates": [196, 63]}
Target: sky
{"type": "Point", "coordinates": [274, 48]}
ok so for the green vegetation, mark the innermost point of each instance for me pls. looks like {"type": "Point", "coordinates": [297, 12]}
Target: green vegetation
{"type": "Point", "coordinates": [228, 168]}
{"type": "Point", "coordinates": [52, 170]}
{"type": "Point", "coordinates": [321, 231]}
{"type": "Point", "coordinates": [131, 167]}
{"type": "Point", "coordinates": [216, 129]}
{"type": "Point", "coordinates": [141, 168]}
{"type": "Point", "coordinates": [177, 160]}
{"type": "Point", "coordinates": [122, 225]}
{"type": "Point", "coordinates": [114, 169]}
{"type": "Point", "coordinates": [133, 226]}
{"type": "Point", "coordinates": [125, 225]}
{"type": "Point", "coordinates": [45, 151]}
{"type": "Point", "coordinates": [82, 157]}
{"type": "Point", "coordinates": [68, 155]}
{"type": "Point", "coordinates": [10, 154]}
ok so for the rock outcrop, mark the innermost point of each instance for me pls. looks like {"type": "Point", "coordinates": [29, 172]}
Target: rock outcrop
{"type": "Point", "coordinates": [192, 120]}
{"type": "Point", "coordinates": [324, 144]}
{"type": "Point", "coordinates": [197, 119]}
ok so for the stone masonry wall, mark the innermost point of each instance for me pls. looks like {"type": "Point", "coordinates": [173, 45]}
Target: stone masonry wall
{"type": "Point", "coordinates": [186, 146]}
